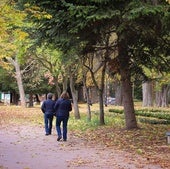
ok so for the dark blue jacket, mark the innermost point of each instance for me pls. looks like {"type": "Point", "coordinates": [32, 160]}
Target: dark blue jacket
{"type": "Point", "coordinates": [63, 107]}
{"type": "Point", "coordinates": [48, 106]}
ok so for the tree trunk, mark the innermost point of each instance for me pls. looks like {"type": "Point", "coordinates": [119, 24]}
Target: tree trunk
{"type": "Point", "coordinates": [158, 99]}
{"type": "Point", "coordinates": [20, 84]}
{"type": "Point", "coordinates": [101, 94]}
{"type": "Point", "coordinates": [58, 90]}
{"type": "Point", "coordinates": [65, 83]}
{"type": "Point", "coordinates": [169, 96]}
{"type": "Point", "coordinates": [74, 97]}
{"type": "Point", "coordinates": [19, 80]}
{"type": "Point", "coordinates": [154, 2]}
{"type": "Point", "coordinates": [31, 101]}
{"type": "Point", "coordinates": [37, 98]}
{"type": "Point", "coordinates": [162, 96]}
{"type": "Point", "coordinates": [87, 98]}
{"type": "Point", "coordinates": [15, 98]}
{"type": "Point", "coordinates": [165, 89]}
{"type": "Point", "coordinates": [147, 91]}
{"type": "Point", "coordinates": [118, 94]}
{"type": "Point", "coordinates": [101, 105]}
{"type": "Point", "coordinates": [99, 85]}
{"type": "Point", "coordinates": [128, 101]}
{"type": "Point", "coordinates": [100, 90]}
{"type": "Point", "coordinates": [128, 104]}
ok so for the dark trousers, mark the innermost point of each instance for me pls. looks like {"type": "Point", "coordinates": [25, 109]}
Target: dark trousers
{"type": "Point", "coordinates": [64, 120]}
{"type": "Point", "coordinates": [48, 120]}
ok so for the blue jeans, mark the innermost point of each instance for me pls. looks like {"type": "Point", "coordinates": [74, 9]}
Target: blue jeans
{"type": "Point", "coordinates": [48, 120]}
{"type": "Point", "coordinates": [64, 120]}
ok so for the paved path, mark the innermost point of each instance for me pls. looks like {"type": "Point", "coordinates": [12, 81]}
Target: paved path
{"type": "Point", "coordinates": [26, 147]}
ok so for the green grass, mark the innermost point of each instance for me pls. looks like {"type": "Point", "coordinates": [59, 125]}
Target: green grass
{"type": "Point", "coordinates": [83, 123]}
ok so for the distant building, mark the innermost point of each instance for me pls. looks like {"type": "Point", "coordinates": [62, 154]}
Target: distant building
{"type": "Point", "coordinates": [5, 97]}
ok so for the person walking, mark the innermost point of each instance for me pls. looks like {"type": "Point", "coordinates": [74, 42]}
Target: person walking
{"type": "Point", "coordinates": [62, 108]}
{"type": "Point", "coordinates": [48, 110]}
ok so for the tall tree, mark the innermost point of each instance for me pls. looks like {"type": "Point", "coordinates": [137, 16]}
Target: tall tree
{"type": "Point", "coordinates": [141, 28]}
{"type": "Point", "coordinates": [13, 42]}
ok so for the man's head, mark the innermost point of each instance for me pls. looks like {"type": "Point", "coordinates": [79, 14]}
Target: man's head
{"type": "Point", "coordinates": [49, 95]}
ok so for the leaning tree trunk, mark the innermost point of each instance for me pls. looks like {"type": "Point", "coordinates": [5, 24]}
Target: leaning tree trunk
{"type": "Point", "coordinates": [19, 80]}
{"type": "Point", "coordinates": [147, 91]}
{"type": "Point", "coordinates": [74, 93]}
{"type": "Point", "coordinates": [128, 103]}
{"type": "Point", "coordinates": [20, 84]}
{"type": "Point", "coordinates": [100, 91]}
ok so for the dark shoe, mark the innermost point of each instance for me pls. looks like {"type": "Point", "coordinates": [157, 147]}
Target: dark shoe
{"type": "Point", "coordinates": [46, 134]}
{"type": "Point", "coordinates": [59, 138]}
{"type": "Point", "coordinates": [64, 140]}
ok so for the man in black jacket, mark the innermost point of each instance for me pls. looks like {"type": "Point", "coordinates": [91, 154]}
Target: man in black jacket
{"type": "Point", "coordinates": [48, 110]}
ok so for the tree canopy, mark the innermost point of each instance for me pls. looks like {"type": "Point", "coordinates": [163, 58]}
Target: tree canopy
{"type": "Point", "coordinates": [142, 29]}
{"type": "Point", "coordinates": [143, 26]}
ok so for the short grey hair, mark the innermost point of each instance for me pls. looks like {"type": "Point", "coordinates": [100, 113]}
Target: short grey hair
{"type": "Point", "coordinates": [49, 95]}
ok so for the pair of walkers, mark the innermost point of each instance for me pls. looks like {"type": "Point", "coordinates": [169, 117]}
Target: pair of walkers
{"type": "Point", "coordinates": [60, 109]}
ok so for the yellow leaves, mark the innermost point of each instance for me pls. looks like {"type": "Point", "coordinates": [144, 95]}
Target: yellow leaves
{"type": "Point", "coordinates": [11, 35]}
{"type": "Point", "coordinates": [143, 141]}
{"type": "Point", "coordinates": [5, 65]}
{"type": "Point", "coordinates": [20, 35]}
{"type": "Point", "coordinates": [10, 15]}
{"type": "Point", "coordinates": [16, 114]}
{"type": "Point", "coordinates": [168, 1]}
{"type": "Point", "coordinates": [37, 13]}
{"type": "Point", "coordinates": [79, 161]}
{"type": "Point", "coordinates": [42, 15]}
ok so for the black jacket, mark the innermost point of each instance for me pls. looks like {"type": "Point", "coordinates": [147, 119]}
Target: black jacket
{"type": "Point", "coordinates": [63, 107]}
{"type": "Point", "coordinates": [48, 106]}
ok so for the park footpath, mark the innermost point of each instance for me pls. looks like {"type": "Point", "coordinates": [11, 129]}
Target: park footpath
{"type": "Point", "coordinates": [26, 147]}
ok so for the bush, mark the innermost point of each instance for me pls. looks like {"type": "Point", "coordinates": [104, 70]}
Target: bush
{"type": "Point", "coordinates": [153, 113]}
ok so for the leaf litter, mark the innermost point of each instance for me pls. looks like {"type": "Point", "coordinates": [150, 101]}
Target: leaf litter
{"type": "Point", "coordinates": [24, 145]}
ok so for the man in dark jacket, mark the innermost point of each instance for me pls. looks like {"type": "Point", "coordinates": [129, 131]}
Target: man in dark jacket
{"type": "Point", "coordinates": [62, 108]}
{"type": "Point", "coordinates": [48, 110]}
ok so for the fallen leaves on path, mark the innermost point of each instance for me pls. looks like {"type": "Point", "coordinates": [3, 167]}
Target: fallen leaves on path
{"type": "Point", "coordinates": [149, 141]}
